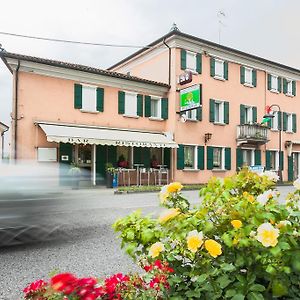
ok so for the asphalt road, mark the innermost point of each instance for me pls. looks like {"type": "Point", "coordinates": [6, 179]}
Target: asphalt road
{"type": "Point", "coordinates": [86, 244]}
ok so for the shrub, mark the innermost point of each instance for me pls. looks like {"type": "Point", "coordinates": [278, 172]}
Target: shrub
{"type": "Point", "coordinates": [238, 243]}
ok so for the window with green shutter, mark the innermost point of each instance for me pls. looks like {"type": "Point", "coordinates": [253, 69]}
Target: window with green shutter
{"type": "Point", "coordinates": [211, 110]}
{"type": "Point", "coordinates": [199, 114]}
{"type": "Point", "coordinates": [226, 112]}
{"type": "Point", "coordinates": [268, 160]}
{"type": "Point", "coordinates": [200, 157]}
{"type": "Point", "coordinates": [147, 106]}
{"type": "Point", "coordinates": [121, 102]}
{"type": "Point", "coordinates": [183, 59]}
{"type": "Point", "coordinates": [257, 157]}
{"type": "Point", "coordinates": [290, 168]}
{"type": "Point", "coordinates": [199, 63]}
{"type": "Point", "coordinates": [77, 96]}
{"type": "Point", "coordinates": [100, 99]}
{"type": "Point", "coordinates": [212, 67]}
{"type": "Point", "coordinates": [226, 70]}
{"type": "Point", "coordinates": [242, 74]}
{"type": "Point", "coordinates": [269, 82]}
{"type": "Point", "coordinates": [164, 108]}
{"type": "Point", "coordinates": [180, 157]}
{"type": "Point", "coordinates": [140, 105]}
{"type": "Point", "coordinates": [242, 114]}
{"type": "Point", "coordinates": [294, 88]}
{"type": "Point", "coordinates": [279, 84]}
{"type": "Point", "coordinates": [284, 119]}
{"type": "Point", "coordinates": [239, 158]}
{"type": "Point", "coordinates": [254, 78]}
{"type": "Point", "coordinates": [281, 161]}
{"type": "Point", "coordinates": [254, 114]}
{"type": "Point", "coordinates": [167, 157]}
{"type": "Point", "coordinates": [284, 86]}
{"type": "Point", "coordinates": [294, 123]}
{"type": "Point", "coordinates": [210, 158]}
{"type": "Point", "coordinates": [279, 120]}
{"type": "Point", "coordinates": [227, 158]}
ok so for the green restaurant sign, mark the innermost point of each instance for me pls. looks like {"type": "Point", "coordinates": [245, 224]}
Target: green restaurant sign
{"type": "Point", "coordinates": [191, 97]}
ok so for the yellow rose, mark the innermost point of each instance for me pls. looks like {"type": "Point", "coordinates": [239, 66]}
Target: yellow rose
{"type": "Point", "coordinates": [267, 235]}
{"type": "Point", "coordinates": [213, 248]}
{"type": "Point", "coordinates": [235, 241]}
{"type": "Point", "coordinates": [174, 187]}
{"type": "Point", "coordinates": [168, 215]}
{"type": "Point", "coordinates": [236, 224]}
{"type": "Point", "coordinates": [156, 249]}
{"type": "Point", "coordinates": [194, 240]}
{"type": "Point", "coordinates": [251, 198]}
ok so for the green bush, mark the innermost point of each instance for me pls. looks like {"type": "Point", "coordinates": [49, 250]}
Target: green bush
{"type": "Point", "coordinates": [238, 243]}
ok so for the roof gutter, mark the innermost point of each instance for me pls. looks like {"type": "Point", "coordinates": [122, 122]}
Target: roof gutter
{"type": "Point", "coordinates": [164, 41]}
{"type": "Point", "coordinates": [16, 110]}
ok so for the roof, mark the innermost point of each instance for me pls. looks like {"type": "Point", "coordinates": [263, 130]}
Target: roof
{"type": "Point", "coordinates": [3, 126]}
{"type": "Point", "coordinates": [78, 67]}
{"type": "Point", "coordinates": [209, 43]}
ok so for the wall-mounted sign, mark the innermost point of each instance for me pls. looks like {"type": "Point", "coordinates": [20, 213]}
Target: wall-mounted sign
{"type": "Point", "coordinates": [78, 140]}
{"type": "Point", "coordinates": [191, 97]}
{"type": "Point", "coordinates": [47, 154]}
{"type": "Point", "coordinates": [185, 78]}
{"type": "Point", "coordinates": [64, 157]}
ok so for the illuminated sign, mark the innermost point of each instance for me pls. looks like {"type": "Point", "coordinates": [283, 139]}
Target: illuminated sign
{"type": "Point", "coordinates": [185, 78]}
{"type": "Point", "coordinates": [191, 97]}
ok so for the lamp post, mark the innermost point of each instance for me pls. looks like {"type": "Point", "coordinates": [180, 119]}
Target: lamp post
{"type": "Point", "coordinates": [271, 116]}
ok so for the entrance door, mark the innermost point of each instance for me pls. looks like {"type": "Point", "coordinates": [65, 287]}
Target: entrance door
{"type": "Point", "coordinates": [296, 161]}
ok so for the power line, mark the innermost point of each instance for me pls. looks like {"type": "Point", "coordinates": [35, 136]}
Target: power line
{"type": "Point", "coordinates": [71, 41]}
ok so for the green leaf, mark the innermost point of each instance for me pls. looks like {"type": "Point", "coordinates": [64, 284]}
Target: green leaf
{"type": "Point", "coordinates": [224, 281]}
{"type": "Point", "coordinates": [284, 245]}
{"type": "Point", "coordinates": [255, 296]}
{"type": "Point", "coordinates": [279, 289]}
{"type": "Point", "coordinates": [147, 235]}
{"type": "Point", "coordinates": [257, 288]}
{"type": "Point", "coordinates": [201, 278]}
{"type": "Point", "coordinates": [130, 235]}
{"type": "Point", "coordinates": [238, 297]}
{"type": "Point", "coordinates": [230, 293]}
{"type": "Point", "coordinates": [228, 267]}
{"type": "Point", "coordinates": [275, 250]}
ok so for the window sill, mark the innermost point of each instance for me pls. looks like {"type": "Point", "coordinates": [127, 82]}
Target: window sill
{"type": "Point", "coordinates": [192, 120]}
{"type": "Point", "coordinates": [274, 91]}
{"type": "Point", "coordinates": [128, 116]}
{"type": "Point", "coordinates": [275, 130]}
{"type": "Point", "coordinates": [89, 111]}
{"type": "Point", "coordinates": [219, 78]}
{"type": "Point", "coordinates": [289, 132]}
{"type": "Point", "coordinates": [248, 85]}
{"type": "Point", "coordinates": [155, 119]}
{"type": "Point", "coordinates": [219, 170]}
{"type": "Point", "coordinates": [290, 95]}
{"type": "Point", "coordinates": [193, 71]}
{"type": "Point", "coordinates": [190, 170]}
{"type": "Point", "coordinates": [219, 123]}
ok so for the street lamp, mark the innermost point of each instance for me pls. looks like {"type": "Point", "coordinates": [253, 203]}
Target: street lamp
{"type": "Point", "coordinates": [271, 116]}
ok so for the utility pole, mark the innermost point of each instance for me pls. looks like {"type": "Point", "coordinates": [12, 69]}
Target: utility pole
{"type": "Point", "coordinates": [221, 15]}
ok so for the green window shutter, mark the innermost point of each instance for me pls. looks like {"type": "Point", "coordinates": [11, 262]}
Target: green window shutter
{"type": "Point", "coordinates": [146, 157]}
{"type": "Point", "coordinates": [281, 160]}
{"type": "Point", "coordinates": [121, 103]}
{"type": "Point", "coordinates": [284, 86]}
{"type": "Point", "coordinates": [242, 114]}
{"type": "Point", "coordinates": [140, 105]}
{"type": "Point", "coordinates": [137, 155]}
{"type": "Point", "coordinates": [279, 80]}
{"type": "Point", "coordinates": [242, 71]}
{"type": "Point", "coordinates": [199, 63]}
{"type": "Point", "coordinates": [164, 108]}
{"type": "Point", "coordinates": [211, 110]}
{"type": "Point", "coordinates": [268, 160]}
{"type": "Point", "coordinates": [167, 157]}
{"type": "Point", "coordinates": [227, 158]}
{"type": "Point", "coordinates": [183, 59]}
{"type": "Point", "coordinates": [254, 77]}
{"type": "Point", "coordinates": [257, 157]}
{"type": "Point", "coordinates": [100, 99]}
{"type": "Point", "coordinates": [77, 95]}
{"type": "Point", "coordinates": [201, 157]}
{"type": "Point", "coordinates": [180, 157]}
{"type": "Point", "coordinates": [210, 158]}
{"type": "Point", "coordinates": [226, 70]}
{"type": "Point", "coordinates": [199, 114]}
{"type": "Point", "coordinates": [294, 88]}
{"type": "Point", "coordinates": [100, 163]}
{"type": "Point", "coordinates": [284, 125]}
{"type": "Point", "coordinates": [279, 115]}
{"type": "Point", "coordinates": [269, 82]}
{"type": "Point", "coordinates": [294, 123]}
{"type": "Point", "coordinates": [66, 150]}
{"type": "Point", "coordinates": [290, 168]}
{"type": "Point", "coordinates": [112, 155]}
{"type": "Point", "coordinates": [212, 67]}
{"type": "Point", "coordinates": [239, 158]}
{"type": "Point", "coordinates": [226, 112]}
{"type": "Point", "coordinates": [254, 114]}
{"type": "Point", "coordinates": [147, 106]}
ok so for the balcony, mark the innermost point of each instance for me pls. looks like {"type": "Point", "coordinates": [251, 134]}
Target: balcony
{"type": "Point", "coordinates": [252, 134]}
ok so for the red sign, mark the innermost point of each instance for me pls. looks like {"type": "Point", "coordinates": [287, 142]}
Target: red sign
{"type": "Point", "coordinates": [185, 78]}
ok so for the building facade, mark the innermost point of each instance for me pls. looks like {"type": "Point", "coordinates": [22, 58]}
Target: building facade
{"type": "Point", "coordinates": [131, 116]}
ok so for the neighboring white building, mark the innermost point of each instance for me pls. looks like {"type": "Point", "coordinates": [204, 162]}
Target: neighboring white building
{"type": "Point", "coordinates": [3, 129]}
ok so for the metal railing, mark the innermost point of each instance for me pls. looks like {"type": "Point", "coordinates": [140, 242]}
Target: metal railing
{"type": "Point", "coordinates": [252, 132]}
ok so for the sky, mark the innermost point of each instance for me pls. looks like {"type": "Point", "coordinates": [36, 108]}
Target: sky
{"type": "Point", "coordinates": [267, 28]}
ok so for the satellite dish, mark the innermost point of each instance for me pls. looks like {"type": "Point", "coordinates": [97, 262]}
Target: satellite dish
{"type": "Point", "coordinates": [183, 118]}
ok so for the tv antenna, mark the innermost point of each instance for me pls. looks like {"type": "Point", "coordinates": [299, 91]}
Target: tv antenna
{"type": "Point", "coordinates": [221, 16]}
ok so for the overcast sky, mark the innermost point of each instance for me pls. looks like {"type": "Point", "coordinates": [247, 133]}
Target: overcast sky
{"type": "Point", "coordinates": [267, 28]}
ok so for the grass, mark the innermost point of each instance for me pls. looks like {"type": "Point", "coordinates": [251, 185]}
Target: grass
{"type": "Point", "coordinates": [154, 188]}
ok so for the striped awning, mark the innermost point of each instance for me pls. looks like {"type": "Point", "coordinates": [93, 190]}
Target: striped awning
{"type": "Point", "coordinates": [80, 134]}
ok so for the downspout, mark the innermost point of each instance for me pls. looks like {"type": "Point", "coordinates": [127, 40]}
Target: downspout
{"type": "Point", "coordinates": [169, 81]}
{"type": "Point", "coordinates": [16, 108]}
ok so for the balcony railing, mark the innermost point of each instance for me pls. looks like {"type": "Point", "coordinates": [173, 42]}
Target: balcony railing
{"type": "Point", "coordinates": [252, 134]}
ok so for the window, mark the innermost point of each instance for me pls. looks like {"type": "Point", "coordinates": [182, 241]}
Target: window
{"type": "Point", "coordinates": [274, 83]}
{"type": "Point", "coordinates": [155, 107]}
{"type": "Point", "coordinates": [218, 158]}
{"type": "Point", "coordinates": [130, 104]}
{"type": "Point", "coordinates": [191, 61]}
{"type": "Point", "coordinates": [191, 114]}
{"type": "Point", "coordinates": [248, 157]}
{"type": "Point", "coordinates": [274, 160]}
{"type": "Point", "coordinates": [248, 76]}
{"type": "Point", "coordinates": [248, 115]}
{"type": "Point", "coordinates": [89, 98]}
{"type": "Point", "coordinates": [219, 68]}
{"type": "Point", "coordinates": [219, 112]}
{"type": "Point", "coordinates": [289, 122]}
{"type": "Point", "coordinates": [274, 122]}
{"type": "Point", "coordinates": [190, 154]}
{"type": "Point", "coordinates": [289, 87]}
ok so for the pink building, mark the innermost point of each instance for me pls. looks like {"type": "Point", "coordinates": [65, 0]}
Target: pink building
{"type": "Point", "coordinates": [131, 115]}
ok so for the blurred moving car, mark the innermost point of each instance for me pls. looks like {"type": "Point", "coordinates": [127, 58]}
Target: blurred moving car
{"type": "Point", "coordinates": [30, 200]}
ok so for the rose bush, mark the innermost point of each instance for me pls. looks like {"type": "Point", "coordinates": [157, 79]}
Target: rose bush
{"type": "Point", "coordinates": [238, 243]}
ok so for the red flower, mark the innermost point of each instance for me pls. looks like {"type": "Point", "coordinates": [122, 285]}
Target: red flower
{"type": "Point", "coordinates": [64, 282]}
{"type": "Point", "coordinates": [34, 286]}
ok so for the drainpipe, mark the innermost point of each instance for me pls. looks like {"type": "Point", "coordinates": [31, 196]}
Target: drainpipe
{"type": "Point", "coordinates": [16, 109]}
{"type": "Point", "coordinates": [169, 60]}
